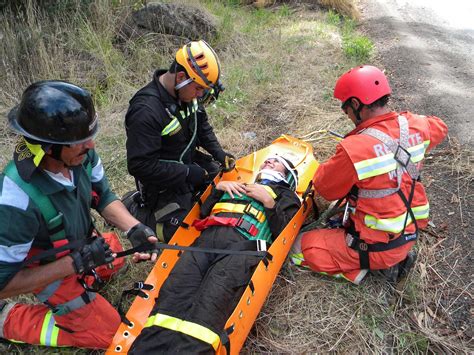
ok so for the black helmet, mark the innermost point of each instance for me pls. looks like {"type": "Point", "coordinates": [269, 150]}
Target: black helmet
{"type": "Point", "coordinates": [55, 112]}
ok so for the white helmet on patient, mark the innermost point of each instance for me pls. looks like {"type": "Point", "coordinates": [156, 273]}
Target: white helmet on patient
{"type": "Point", "coordinates": [291, 177]}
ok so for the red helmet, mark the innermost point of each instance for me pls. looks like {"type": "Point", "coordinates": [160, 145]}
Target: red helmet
{"type": "Point", "coordinates": [366, 83]}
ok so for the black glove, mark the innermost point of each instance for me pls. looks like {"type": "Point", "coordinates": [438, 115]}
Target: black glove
{"type": "Point", "coordinates": [228, 163]}
{"type": "Point", "coordinates": [95, 253]}
{"type": "Point", "coordinates": [196, 175]}
{"type": "Point", "coordinates": [139, 235]}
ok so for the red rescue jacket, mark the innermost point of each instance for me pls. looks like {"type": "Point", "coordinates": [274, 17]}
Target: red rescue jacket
{"type": "Point", "coordinates": [364, 161]}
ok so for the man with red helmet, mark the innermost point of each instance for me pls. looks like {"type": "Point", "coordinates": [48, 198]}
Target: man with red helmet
{"type": "Point", "coordinates": [376, 172]}
{"type": "Point", "coordinates": [166, 122]}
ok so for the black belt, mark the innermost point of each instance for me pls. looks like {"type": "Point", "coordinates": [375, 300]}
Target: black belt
{"type": "Point", "coordinates": [363, 248]}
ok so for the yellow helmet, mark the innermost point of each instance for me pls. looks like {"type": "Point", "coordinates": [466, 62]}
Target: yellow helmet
{"type": "Point", "coordinates": [201, 64]}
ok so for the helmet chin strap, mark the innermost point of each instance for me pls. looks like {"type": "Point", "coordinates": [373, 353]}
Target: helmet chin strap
{"type": "Point", "coordinates": [56, 150]}
{"type": "Point", "coordinates": [357, 112]}
{"type": "Point", "coordinates": [183, 84]}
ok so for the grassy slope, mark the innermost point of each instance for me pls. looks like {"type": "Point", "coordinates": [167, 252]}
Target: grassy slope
{"type": "Point", "coordinates": [279, 67]}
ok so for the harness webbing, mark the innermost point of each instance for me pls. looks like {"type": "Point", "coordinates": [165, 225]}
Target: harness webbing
{"type": "Point", "coordinates": [52, 217]}
{"type": "Point", "coordinates": [42, 201]}
{"type": "Point", "coordinates": [404, 162]}
{"type": "Point", "coordinates": [401, 155]}
{"type": "Point", "coordinates": [248, 247]}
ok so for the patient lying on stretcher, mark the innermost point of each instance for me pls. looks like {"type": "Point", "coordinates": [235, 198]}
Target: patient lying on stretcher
{"type": "Point", "coordinates": [203, 289]}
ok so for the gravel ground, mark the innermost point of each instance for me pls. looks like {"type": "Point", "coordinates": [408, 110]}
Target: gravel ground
{"type": "Point", "coordinates": [429, 63]}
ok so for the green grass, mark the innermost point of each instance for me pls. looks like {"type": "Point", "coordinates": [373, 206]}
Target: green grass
{"type": "Point", "coordinates": [333, 18]}
{"type": "Point", "coordinates": [357, 49]}
{"type": "Point", "coordinates": [277, 81]}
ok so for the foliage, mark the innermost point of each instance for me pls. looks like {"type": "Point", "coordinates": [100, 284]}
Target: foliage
{"type": "Point", "coordinates": [359, 49]}
{"type": "Point", "coordinates": [279, 68]}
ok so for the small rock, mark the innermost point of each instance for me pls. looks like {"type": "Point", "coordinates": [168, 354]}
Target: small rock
{"type": "Point", "coordinates": [250, 135]}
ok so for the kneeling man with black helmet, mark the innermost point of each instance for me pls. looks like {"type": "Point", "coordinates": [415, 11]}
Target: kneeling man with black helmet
{"type": "Point", "coordinates": [48, 244]}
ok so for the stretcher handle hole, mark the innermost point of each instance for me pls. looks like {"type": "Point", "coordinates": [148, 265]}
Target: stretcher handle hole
{"type": "Point", "coordinates": [118, 348]}
{"type": "Point", "coordinates": [248, 301]}
{"type": "Point", "coordinates": [147, 296]}
{"type": "Point", "coordinates": [241, 314]}
{"type": "Point", "coordinates": [164, 265]}
{"type": "Point", "coordinates": [126, 334]}
{"type": "Point", "coordinates": [131, 325]}
{"type": "Point", "coordinates": [284, 241]}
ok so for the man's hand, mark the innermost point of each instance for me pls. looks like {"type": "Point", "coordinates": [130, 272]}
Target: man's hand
{"type": "Point", "coordinates": [258, 192]}
{"type": "Point", "coordinates": [229, 163]}
{"type": "Point", "coordinates": [231, 187]}
{"type": "Point", "coordinates": [95, 253]}
{"type": "Point", "coordinates": [196, 175]}
{"type": "Point", "coordinates": [142, 234]}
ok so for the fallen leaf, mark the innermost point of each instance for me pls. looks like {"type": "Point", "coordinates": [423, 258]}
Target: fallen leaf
{"type": "Point", "coordinates": [443, 226]}
{"type": "Point", "coordinates": [419, 319]}
{"type": "Point", "coordinates": [423, 272]}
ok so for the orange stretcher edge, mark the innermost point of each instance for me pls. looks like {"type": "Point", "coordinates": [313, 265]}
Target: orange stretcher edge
{"type": "Point", "coordinates": [246, 311]}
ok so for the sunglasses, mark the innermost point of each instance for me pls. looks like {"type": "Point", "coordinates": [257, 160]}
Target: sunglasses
{"type": "Point", "coordinates": [345, 105]}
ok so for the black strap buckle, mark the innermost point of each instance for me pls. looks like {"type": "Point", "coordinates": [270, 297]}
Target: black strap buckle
{"type": "Point", "coordinates": [402, 156]}
{"type": "Point", "coordinates": [247, 226]}
{"type": "Point", "coordinates": [97, 284]}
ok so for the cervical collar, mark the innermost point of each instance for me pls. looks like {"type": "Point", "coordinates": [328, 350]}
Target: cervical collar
{"type": "Point", "coordinates": [270, 175]}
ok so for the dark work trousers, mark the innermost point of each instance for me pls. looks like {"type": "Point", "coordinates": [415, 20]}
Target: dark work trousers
{"type": "Point", "coordinates": [183, 196]}
{"type": "Point", "coordinates": [202, 288]}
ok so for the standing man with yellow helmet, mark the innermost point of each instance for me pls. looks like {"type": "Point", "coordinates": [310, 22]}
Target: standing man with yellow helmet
{"type": "Point", "coordinates": [166, 123]}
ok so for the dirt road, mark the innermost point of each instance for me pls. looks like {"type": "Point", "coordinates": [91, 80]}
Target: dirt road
{"type": "Point", "coordinates": [428, 57]}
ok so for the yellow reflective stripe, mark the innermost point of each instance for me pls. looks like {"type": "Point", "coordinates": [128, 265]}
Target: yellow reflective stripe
{"type": "Point", "coordinates": [395, 225]}
{"type": "Point", "coordinates": [170, 127]}
{"type": "Point", "coordinates": [336, 276]}
{"type": "Point", "coordinates": [375, 166]}
{"type": "Point", "coordinates": [49, 332]}
{"type": "Point", "coordinates": [37, 151]}
{"type": "Point", "coordinates": [189, 328]}
{"type": "Point", "coordinates": [238, 208]}
{"type": "Point", "coordinates": [385, 163]}
{"type": "Point", "coordinates": [270, 191]}
{"type": "Point", "coordinates": [421, 212]}
{"type": "Point", "coordinates": [297, 258]}
{"type": "Point", "coordinates": [195, 105]}
{"type": "Point", "coordinates": [417, 152]}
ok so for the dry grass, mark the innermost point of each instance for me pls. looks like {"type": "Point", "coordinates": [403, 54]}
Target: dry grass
{"type": "Point", "coordinates": [278, 81]}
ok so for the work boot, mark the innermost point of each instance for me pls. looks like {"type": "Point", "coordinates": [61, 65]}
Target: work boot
{"type": "Point", "coordinates": [390, 274]}
{"type": "Point", "coordinates": [406, 265]}
{"type": "Point", "coordinates": [398, 271]}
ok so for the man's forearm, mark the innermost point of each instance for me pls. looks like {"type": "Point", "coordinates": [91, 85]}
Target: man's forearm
{"type": "Point", "coordinates": [117, 214]}
{"type": "Point", "coordinates": [28, 280]}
